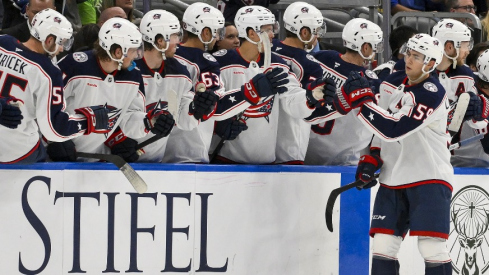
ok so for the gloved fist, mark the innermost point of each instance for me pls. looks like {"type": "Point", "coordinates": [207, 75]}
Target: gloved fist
{"type": "Point", "coordinates": [320, 91]}
{"type": "Point", "coordinates": [355, 92]}
{"type": "Point", "coordinates": [159, 122]}
{"type": "Point", "coordinates": [204, 105]}
{"type": "Point", "coordinates": [10, 114]}
{"type": "Point", "coordinates": [126, 149]}
{"type": "Point", "coordinates": [62, 151]}
{"type": "Point", "coordinates": [478, 108]}
{"type": "Point", "coordinates": [263, 85]}
{"type": "Point", "coordinates": [366, 168]}
{"type": "Point", "coordinates": [229, 129]}
{"type": "Point", "coordinates": [97, 119]}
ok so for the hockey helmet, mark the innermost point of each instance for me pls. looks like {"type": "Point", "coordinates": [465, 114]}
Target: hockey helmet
{"type": "Point", "coordinates": [50, 22]}
{"type": "Point", "coordinates": [300, 15]}
{"type": "Point", "coordinates": [359, 31]}
{"type": "Point", "coordinates": [201, 15]}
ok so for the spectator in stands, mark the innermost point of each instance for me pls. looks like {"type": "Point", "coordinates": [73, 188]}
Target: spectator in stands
{"type": "Point", "coordinates": [132, 14]}
{"type": "Point", "coordinates": [230, 40]}
{"type": "Point", "coordinates": [397, 38]}
{"type": "Point", "coordinates": [478, 49]}
{"type": "Point", "coordinates": [21, 31]}
{"type": "Point", "coordinates": [88, 11]}
{"type": "Point", "coordinates": [230, 7]}
{"type": "Point", "coordinates": [84, 40]}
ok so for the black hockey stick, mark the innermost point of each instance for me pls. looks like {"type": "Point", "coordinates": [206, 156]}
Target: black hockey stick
{"type": "Point", "coordinates": [136, 181]}
{"type": "Point", "coordinates": [334, 195]}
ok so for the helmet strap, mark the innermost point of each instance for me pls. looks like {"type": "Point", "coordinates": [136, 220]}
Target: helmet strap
{"type": "Point", "coordinates": [162, 51]}
{"type": "Point", "coordinates": [453, 59]}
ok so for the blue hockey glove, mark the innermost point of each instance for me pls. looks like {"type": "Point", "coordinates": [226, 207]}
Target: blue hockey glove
{"type": "Point", "coordinates": [478, 108]}
{"type": "Point", "coordinates": [97, 119]}
{"type": "Point", "coordinates": [355, 92]}
{"type": "Point", "coordinates": [229, 129]}
{"type": "Point", "coordinates": [62, 151]}
{"type": "Point", "coordinates": [326, 87]}
{"type": "Point", "coordinates": [159, 122]}
{"type": "Point", "coordinates": [263, 85]}
{"type": "Point", "coordinates": [366, 168]}
{"type": "Point", "coordinates": [10, 115]}
{"type": "Point", "coordinates": [204, 105]}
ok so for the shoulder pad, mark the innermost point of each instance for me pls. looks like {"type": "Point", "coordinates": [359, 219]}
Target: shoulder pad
{"type": "Point", "coordinates": [429, 86]}
{"type": "Point", "coordinates": [80, 56]}
{"type": "Point", "coordinates": [310, 57]}
{"type": "Point", "coordinates": [371, 74]}
{"type": "Point", "coordinates": [209, 56]}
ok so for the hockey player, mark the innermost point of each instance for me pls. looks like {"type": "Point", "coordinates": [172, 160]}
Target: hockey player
{"type": "Point", "coordinates": [476, 154]}
{"type": "Point", "coordinates": [260, 106]}
{"type": "Point", "coordinates": [203, 24]}
{"type": "Point", "coordinates": [107, 76]}
{"type": "Point", "coordinates": [340, 141]}
{"type": "Point", "coordinates": [31, 81]}
{"type": "Point", "coordinates": [303, 24]}
{"type": "Point", "coordinates": [164, 79]}
{"type": "Point", "coordinates": [410, 144]}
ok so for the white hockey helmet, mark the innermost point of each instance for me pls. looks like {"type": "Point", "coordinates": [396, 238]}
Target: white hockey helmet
{"type": "Point", "coordinates": [199, 16]}
{"type": "Point", "coordinates": [119, 31]}
{"type": "Point", "coordinates": [254, 17]}
{"type": "Point", "coordinates": [50, 22]}
{"type": "Point", "coordinates": [429, 46]}
{"type": "Point", "coordinates": [359, 31]}
{"type": "Point", "coordinates": [483, 66]}
{"type": "Point", "coordinates": [300, 15]}
{"type": "Point", "coordinates": [452, 30]}
{"type": "Point", "coordinates": [160, 22]}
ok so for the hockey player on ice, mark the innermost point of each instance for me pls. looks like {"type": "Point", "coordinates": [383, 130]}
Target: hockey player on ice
{"type": "Point", "coordinates": [30, 78]}
{"type": "Point", "coordinates": [476, 154]}
{"type": "Point", "coordinates": [303, 24]}
{"type": "Point", "coordinates": [164, 79]}
{"type": "Point", "coordinates": [108, 76]}
{"type": "Point", "coordinates": [336, 139]}
{"type": "Point", "coordinates": [258, 91]}
{"type": "Point", "coordinates": [410, 145]}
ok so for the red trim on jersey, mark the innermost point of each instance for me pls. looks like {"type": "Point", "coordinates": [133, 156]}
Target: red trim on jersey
{"type": "Point", "coordinates": [103, 71]}
{"type": "Point", "coordinates": [414, 184]}
{"type": "Point", "coordinates": [429, 234]}
{"type": "Point", "coordinates": [292, 162]}
{"type": "Point", "coordinates": [374, 231]}
{"type": "Point", "coordinates": [160, 70]}
{"type": "Point", "coordinates": [26, 155]}
{"type": "Point", "coordinates": [257, 60]}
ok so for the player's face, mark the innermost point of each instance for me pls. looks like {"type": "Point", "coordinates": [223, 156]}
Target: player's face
{"type": "Point", "coordinates": [463, 52]}
{"type": "Point", "coordinates": [132, 54]}
{"type": "Point", "coordinates": [231, 40]}
{"type": "Point", "coordinates": [268, 29]}
{"type": "Point", "coordinates": [172, 47]}
{"type": "Point", "coordinates": [414, 64]}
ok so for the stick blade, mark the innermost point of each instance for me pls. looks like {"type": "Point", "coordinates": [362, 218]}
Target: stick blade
{"type": "Point", "coordinates": [329, 210]}
{"type": "Point", "coordinates": [458, 115]}
{"type": "Point", "coordinates": [136, 181]}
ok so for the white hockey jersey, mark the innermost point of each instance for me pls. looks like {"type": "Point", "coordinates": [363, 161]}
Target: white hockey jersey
{"type": "Point", "coordinates": [87, 84]}
{"type": "Point", "coordinates": [257, 144]}
{"type": "Point", "coordinates": [409, 125]}
{"type": "Point", "coordinates": [337, 139]}
{"type": "Point", "coordinates": [191, 144]}
{"type": "Point", "coordinates": [33, 79]}
{"type": "Point", "coordinates": [171, 77]}
{"type": "Point", "coordinates": [306, 69]}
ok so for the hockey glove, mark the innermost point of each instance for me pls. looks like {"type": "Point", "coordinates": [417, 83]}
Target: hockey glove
{"type": "Point", "coordinates": [229, 129]}
{"type": "Point", "coordinates": [355, 92]}
{"type": "Point", "coordinates": [366, 168]}
{"type": "Point", "coordinates": [62, 151]}
{"type": "Point", "coordinates": [204, 105]}
{"type": "Point", "coordinates": [122, 146]}
{"type": "Point", "coordinates": [97, 119]}
{"type": "Point", "coordinates": [10, 114]}
{"type": "Point", "coordinates": [319, 92]}
{"type": "Point", "coordinates": [478, 108]}
{"type": "Point", "coordinates": [263, 85]}
{"type": "Point", "coordinates": [159, 122]}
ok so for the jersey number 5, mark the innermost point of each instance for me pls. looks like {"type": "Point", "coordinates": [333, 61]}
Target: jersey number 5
{"type": "Point", "coordinates": [9, 81]}
{"type": "Point", "coordinates": [422, 112]}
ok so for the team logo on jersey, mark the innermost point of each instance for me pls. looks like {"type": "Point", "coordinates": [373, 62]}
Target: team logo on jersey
{"type": "Point", "coordinates": [220, 52]}
{"type": "Point", "coordinates": [371, 74]}
{"type": "Point", "coordinates": [249, 10]}
{"type": "Point", "coordinates": [117, 26]}
{"type": "Point", "coordinates": [310, 57]}
{"type": "Point", "coordinates": [261, 110]}
{"type": "Point", "coordinates": [430, 87]}
{"type": "Point", "coordinates": [162, 105]}
{"type": "Point", "coordinates": [209, 56]}
{"type": "Point", "coordinates": [57, 20]}
{"type": "Point", "coordinates": [304, 10]}
{"type": "Point", "coordinates": [114, 115]}
{"type": "Point", "coordinates": [156, 16]}
{"type": "Point", "coordinates": [80, 57]}
{"type": "Point", "coordinates": [363, 26]}
{"type": "Point", "coordinates": [449, 25]}
{"type": "Point", "coordinates": [469, 223]}
{"type": "Point", "coordinates": [206, 9]}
